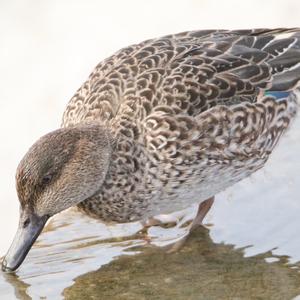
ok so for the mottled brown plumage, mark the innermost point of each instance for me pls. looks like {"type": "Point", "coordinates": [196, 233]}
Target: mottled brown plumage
{"type": "Point", "coordinates": [189, 115]}
{"type": "Point", "coordinates": [165, 123]}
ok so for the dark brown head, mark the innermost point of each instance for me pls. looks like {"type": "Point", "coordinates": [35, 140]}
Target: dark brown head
{"type": "Point", "coordinates": [60, 170]}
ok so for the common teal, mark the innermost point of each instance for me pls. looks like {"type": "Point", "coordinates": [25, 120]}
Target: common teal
{"type": "Point", "coordinates": [159, 125]}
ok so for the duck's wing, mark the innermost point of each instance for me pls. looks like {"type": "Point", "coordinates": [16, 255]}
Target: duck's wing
{"type": "Point", "coordinates": [229, 67]}
{"type": "Point", "coordinates": [189, 72]}
{"type": "Point", "coordinates": [229, 96]}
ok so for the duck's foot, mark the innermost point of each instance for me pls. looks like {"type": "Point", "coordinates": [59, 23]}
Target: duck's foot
{"type": "Point", "coordinates": [203, 209]}
{"type": "Point", "coordinates": [160, 220]}
{"type": "Point", "coordinates": [164, 220]}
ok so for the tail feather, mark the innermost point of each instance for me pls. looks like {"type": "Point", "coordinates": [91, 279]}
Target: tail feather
{"type": "Point", "coordinates": [273, 57]}
{"type": "Point", "coordinates": [284, 59]}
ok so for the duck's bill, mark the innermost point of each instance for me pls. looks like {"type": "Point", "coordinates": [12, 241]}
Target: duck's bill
{"type": "Point", "coordinates": [30, 226]}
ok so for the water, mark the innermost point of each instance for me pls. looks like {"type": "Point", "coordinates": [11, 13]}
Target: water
{"type": "Point", "coordinates": [250, 249]}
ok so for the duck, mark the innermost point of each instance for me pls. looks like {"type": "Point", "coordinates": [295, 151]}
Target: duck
{"type": "Point", "coordinates": [159, 125]}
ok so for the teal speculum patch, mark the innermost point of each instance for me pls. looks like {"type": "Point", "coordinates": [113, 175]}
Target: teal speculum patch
{"type": "Point", "coordinates": [277, 94]}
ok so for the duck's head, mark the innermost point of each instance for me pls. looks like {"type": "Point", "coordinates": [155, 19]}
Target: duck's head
{"type": "Point", "coordinates": [60, 170]}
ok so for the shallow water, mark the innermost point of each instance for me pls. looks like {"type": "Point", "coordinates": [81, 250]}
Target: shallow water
{"type": "Point", "coordinates": [249, 249]}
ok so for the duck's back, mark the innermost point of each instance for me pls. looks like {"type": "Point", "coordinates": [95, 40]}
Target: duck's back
{"type": "Point", "coordinates": [194, 112]}
{"type": "Point", "coordinates": [189, 72]}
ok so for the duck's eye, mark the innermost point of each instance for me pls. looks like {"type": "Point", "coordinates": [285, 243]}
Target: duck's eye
{"type": "Point", "coordinates": [46, 179]}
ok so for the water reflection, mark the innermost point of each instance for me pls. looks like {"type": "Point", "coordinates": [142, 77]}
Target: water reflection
{"type": "Point", "coordinates": [125, 266]}
{"type": "Point", "coordinates": [201, 270]}
{"type": "Point", "coordinates": [20, 287]}
{"type": "Point", "coordinates": [129, 268]}
{"type": "Point", "coordinates": [69, 247]}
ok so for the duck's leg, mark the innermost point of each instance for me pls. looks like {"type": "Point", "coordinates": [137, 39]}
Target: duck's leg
{"type": "Point", "coordinates": [166, 220]}
{"type": "Point", "coordinates": [203, 209]}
